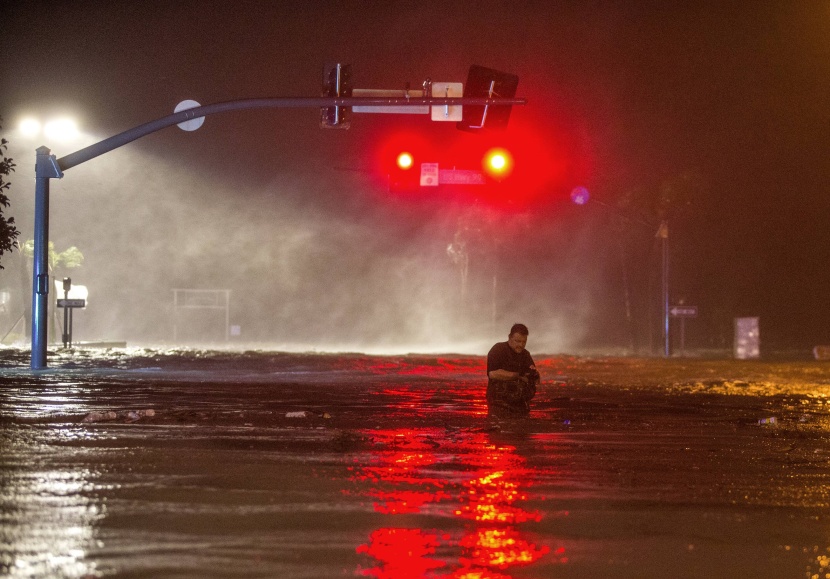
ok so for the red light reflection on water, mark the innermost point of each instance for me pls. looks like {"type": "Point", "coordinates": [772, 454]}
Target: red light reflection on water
{"type": "Point", "coordinates": [412, 365]}
{"type": "Point", "coordinates": [427, 399]}
{"type": "Point", "coordinates": [404, 553]}
{"type": "Point", "coordinates": [477, 485]}
{"type": "Point", "coordinates": [398, 483]}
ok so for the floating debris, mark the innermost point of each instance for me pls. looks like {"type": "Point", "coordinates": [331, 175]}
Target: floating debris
{"type": "Point", "coordinates": [100, 416]}
{"type": "Point", "coordinates": [127, 415]}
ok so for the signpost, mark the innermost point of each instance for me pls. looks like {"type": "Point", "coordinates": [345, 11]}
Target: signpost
{"type": "Point", "coordinates": [683, 312]}
{"type": "Point", "coordinates": [68, 304]}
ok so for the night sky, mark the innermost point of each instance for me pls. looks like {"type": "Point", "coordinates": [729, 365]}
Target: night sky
{"type": "Point", "coordinates": [726, 105]}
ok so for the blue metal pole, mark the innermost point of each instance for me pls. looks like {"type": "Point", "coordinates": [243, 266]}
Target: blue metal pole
{"type": "Point", "coordinates": [46, 168]}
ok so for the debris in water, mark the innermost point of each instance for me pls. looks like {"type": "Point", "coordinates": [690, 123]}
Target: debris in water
{"type": "Point", "coordinates": [772, 420]}
{"type": "Point", "coordinates": [99, 416]}
{"type": "Point", "coordinates": [300, 414]}
{"type": "Point", "coordinates": [127, 416]}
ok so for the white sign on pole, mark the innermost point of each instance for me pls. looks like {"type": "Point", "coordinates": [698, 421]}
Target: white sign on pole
{"type": "Point", "coordinates": [429, 174]}
{"type": "Point", "coordinates": [447, 90]}
{"type": "Point", "coordinates": [747, 338]}
{"type": "Point", "coordinates": [683, 311]}
{"type": "Point", "coordinates": [192, 124]}
{"type": "Point", "coordinates": [392, 94]}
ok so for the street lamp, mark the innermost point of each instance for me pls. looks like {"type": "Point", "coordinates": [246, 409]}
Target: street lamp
{"type": "Point", "coordinates": [60, 129]}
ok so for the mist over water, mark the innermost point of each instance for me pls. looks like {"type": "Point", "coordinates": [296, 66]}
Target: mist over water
{"type": "Point", "coordinates": [325, 261]}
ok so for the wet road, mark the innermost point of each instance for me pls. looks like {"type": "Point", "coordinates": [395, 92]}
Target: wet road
{"type": "Point", "coordinates": [626, 468]}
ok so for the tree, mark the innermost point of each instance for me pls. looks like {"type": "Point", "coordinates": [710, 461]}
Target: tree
{"type": "Point", "coordinates": [8, 230]}
{"type": "Point", "coordinates": [60, 262]}
{"type": "Point", "coordinates": [69, 258]}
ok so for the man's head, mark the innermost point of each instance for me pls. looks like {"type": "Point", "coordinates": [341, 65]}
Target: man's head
{"type": "Point", "coordinates": [517, 340]}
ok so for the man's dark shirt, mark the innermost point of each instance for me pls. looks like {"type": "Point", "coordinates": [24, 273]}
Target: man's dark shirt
{"type": "Point", "coordinates": [506, 398]}
{"type": "Point", "coordinates": [503, 357]}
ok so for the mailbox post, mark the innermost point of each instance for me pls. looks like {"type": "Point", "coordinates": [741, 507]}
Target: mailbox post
{"type": "Point", "coordinates": [68, 306]}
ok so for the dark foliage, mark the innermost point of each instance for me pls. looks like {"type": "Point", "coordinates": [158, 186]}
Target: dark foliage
{"type": "Point", "coordinates": [8, 230]}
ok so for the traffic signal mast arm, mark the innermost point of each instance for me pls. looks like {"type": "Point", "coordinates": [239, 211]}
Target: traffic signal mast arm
{"type": "Point", "coordinates": [112, 143]}
{"type": "Point", "coordinates": [336, 87]}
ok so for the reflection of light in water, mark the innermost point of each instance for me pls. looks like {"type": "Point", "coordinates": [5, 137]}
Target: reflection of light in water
{"type": "Point", "coordinates": [401, 469]}
{"type": "Point", "coordinates": [49, 523]}
{"type": "Point", "coordinates": [468, 399]}
{"type": "Point", "coordinates": [471, 481]}
{"type": "Point", "coordinates": [500, 548]}
{"type": "Point", "coordinates": [403, 553]}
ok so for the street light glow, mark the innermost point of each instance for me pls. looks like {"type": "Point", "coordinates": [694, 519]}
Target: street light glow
{"type": "Point", "coordinates": [60, 129]}
{"type": "Point", "coordinates": [30, 127]}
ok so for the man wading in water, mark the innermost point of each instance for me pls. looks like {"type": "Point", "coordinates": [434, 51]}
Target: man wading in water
{"type": "Point", "coordinates": [512, 376]}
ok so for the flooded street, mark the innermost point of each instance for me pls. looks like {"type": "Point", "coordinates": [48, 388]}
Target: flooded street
{"type": "Point", "coordinates": [207, 464]}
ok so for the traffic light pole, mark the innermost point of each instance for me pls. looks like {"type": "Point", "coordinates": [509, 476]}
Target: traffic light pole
{"type": "Point", "coordinates": [47, 167]}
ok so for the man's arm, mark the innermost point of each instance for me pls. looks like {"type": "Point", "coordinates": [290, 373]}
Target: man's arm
{"type": "Point", "coordinates": [502, 375]}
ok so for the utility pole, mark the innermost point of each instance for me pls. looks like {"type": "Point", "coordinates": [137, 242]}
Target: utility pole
{"type": "Point", "coordinates": [663, 234]}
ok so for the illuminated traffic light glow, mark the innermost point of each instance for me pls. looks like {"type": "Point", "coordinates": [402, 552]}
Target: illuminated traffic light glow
{"type": "Point", "coordinates": [405, 161]}
{"type": "Point", "coordinates": [498, 163]}
{"type": "Point", "coordinates": [523, 167]}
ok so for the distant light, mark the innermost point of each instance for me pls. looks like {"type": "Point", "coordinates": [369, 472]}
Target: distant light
{"type": "Point", "coordinates": [580, 195]}
{"type": "Point", "coordinates": [405, 161]}
{"type": "Point", "coordinates": [61, 129]}
{"type": "Point", "coordinates": [30, 127]}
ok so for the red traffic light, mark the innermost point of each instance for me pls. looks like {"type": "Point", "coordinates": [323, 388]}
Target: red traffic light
{"type": "Point", "coordinates": [404, 161]}
{"type": "Point", "coordinates": [497, 163]}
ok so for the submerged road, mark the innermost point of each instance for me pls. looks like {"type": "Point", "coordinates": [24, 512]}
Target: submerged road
{"type": "Point", "coordinates": [207, 464]}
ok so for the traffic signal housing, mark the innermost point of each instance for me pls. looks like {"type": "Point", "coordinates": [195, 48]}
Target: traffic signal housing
{"type": "Point", "coordinates": [425, 173]}
{"type": "Point", "coordinates": [405, 173]}
{"type": "Point", "coordinates": [485, 82]}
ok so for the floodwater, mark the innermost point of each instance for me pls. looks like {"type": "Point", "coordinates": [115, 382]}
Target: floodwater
{"type": "Point", "coordinates": [262, 464]}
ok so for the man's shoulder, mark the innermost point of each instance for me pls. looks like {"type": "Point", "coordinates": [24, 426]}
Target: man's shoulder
{"type": "Point", "coordinates": [498, 347]}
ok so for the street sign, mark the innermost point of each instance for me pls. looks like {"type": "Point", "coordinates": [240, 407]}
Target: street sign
{"type": "Point", "coordinates": [461, 177]}
{"type": "Point", "coordinates": [392, 94]}
{"type": "Point", "coordinates": [448, 90]}
{"type": "Point", "coordinates": [192, 124]}
{"type": "Point", "coordinates": [76, 303]}
{"type": "Point", "coordinates": [429, 174]}
{"type": "Point", "coordinates": [683, 311]}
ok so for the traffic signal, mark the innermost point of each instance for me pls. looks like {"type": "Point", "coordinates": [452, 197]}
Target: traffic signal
{"type": "Point", "coordinates": [487, 83]}
{"type": "Point", "coordinates": [497, 163]}
{"type": "Point", "coordinates": [424, 172]}
{"type": "Point", "coordinates": [404, 161]}
{"type": "Point", "coordinates": [405, 173]}
{"type": "Point", "coordinates": [337, 82]}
